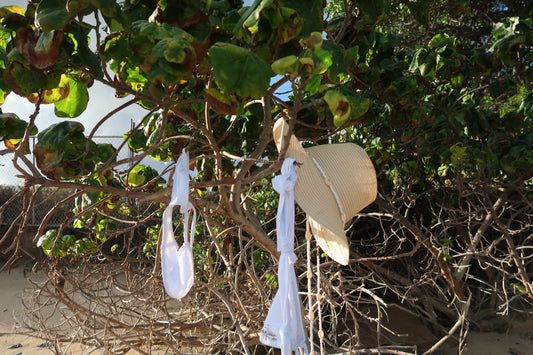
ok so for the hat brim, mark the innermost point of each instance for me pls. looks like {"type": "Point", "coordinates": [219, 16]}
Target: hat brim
{"type": "Point", "coordinates": [335, 246]}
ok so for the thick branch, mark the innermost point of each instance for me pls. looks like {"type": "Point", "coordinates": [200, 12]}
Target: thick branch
{"type": "Point", "coordinates": [465, 261]}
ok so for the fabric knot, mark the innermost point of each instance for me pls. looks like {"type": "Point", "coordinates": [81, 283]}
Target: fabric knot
{"type": "Point", "coordinates": [291, 257]}
{"type": "Point", "coordinates": [285, 182]}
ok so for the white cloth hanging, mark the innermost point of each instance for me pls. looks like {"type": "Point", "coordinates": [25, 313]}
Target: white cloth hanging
{"type": "Point", "coordinates": [177, 266]}
{"type": "Point", "coordinates": [283, 326]}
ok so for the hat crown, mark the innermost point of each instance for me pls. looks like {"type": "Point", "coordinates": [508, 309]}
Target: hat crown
{"type": "Point", "coordinates": [349, 172]}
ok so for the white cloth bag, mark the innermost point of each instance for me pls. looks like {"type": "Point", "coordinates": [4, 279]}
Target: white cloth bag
{"type": "Point", "coordinates": [177, 266]}
{"type": "Point", "coordinates": [283, 326]}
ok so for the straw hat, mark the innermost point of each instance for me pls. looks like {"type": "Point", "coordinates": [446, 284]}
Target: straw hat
{"type": "Point", "coordinates": [335, 182]}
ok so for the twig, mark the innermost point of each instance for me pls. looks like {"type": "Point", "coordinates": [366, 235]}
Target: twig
{"type": "Point", "coordinates": [462, 318]}
{"type": "Point", "coordinates": [445, 270]}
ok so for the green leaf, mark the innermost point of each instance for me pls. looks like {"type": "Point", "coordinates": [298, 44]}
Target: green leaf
{"type": "Point", "coordinates": [288, 64]}
{"type": "Point", "coordinates": [51, 15]}
{"type": "Point", "coordinates": [526, 106]}
{"type": "Point", "coordinates": [420, 9]}
{"type": "Point", "coordinates": [83, 56]}
{"type": "Point", "coordinates": [11, 127]}
{"type": "Point", "coordinates": [443, 170]}
{"type": "Point", "coordinates": [339, 105]}
{"type": "Point", "coordinates": [505, 35]}
{"type": "Point", "coordinates": [313, 85]}
{"type": "Point", "coordinates": [345, 105]}
{"type": "Point", "coordinates": [140, 175]}
{"type": "Point", "coordinates": [79, 7]}
{"type": "Point", "coordinates": [24, 81]}
{"type": "Point", "coordinates": [519, 287]}
{"type": "Point", "coordinates": [442, 41]}
{"type": "Point", "coordinates": [135, 179]}
{"type": "Point", "coordinates": [238, 70]}
{"type": "Point", "coordinates": [176, 50]}
{"type": "Point", "coordinates": [336, 59]}
{"type": "Point", "coordinates": [251, 23]}
{"type": "Point", "coordinates": [246, 15]}
{"type": "Point", "coordinates": [359, 104]}
{"type": "Point", "coordinates": [172, 58]}
{"type": "Point", "coordinates": [291, 25]}
{"type": "Point", "coordinates": [136, 140]}
{"type": "Point", "coordinates": [117, 47]}
{"type": "Point", "coordinates": [459, 154]}
{"type": "Point", "coordinates": [152, 32]}
{"type": "Point", "coordinates": [424, 61]}
{"type": "Point", "coordinates": [59, 245]}
{"type": "Point", "coordinates": [509, 35]}
{"type": "Point", "coordinates": [46, 241]}
{"type": "Point", "coordinates": [85, 246]}
{"type": "Point", "coordinates": [59, 135]}
{"type": "Point", "coordinates": [4, 90]}
{"type": "Point", "coordinates": [372, 9]}
{"type": "Point", "coordinates": [76, 101]}
{"type": "Point", "coordinates": [109, 8]}
{"type": "Point", "coordinates": [101, 152]}
{"type": "Point", "coordinates": [325, 59]}
{"type": "Point", "coordinates": [310, 11]}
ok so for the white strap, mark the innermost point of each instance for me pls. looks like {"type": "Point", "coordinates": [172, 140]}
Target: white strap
{"type": "Point", "coordinates": [177, 265]}
{"type": "Point", "coordinates": [283, 326]}
{"type": "Point", "coordinates": [284, 185]}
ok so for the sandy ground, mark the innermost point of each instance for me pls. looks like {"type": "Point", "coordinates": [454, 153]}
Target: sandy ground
{"type": "Point", "coordinates": [16, 339]}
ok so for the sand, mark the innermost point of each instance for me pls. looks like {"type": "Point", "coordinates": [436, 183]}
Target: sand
{"type": "Point", "coordinates": [17, 339]}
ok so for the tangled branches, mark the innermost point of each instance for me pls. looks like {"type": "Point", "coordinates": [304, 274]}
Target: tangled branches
{"type": "Point", "coordinates": [119, 306]}
{"type": "Point", "coordinates": [449, 258]}
{"type": "Point", "coordinates": [412, 257]}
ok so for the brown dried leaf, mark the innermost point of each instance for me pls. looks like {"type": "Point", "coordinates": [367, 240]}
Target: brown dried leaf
{"type": "Point", "coordinates": [46, 162]}
{"type": "Point", "coordinates": [42, 51]}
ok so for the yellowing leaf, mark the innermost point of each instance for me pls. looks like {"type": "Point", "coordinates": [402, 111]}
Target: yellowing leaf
{"type": "Point", "coordinates": [11, 9]}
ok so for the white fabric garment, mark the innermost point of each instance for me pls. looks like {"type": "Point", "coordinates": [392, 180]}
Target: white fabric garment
{"type": "Point", "coordinates": [283, 326]}
{"type": "Point", "coordinates": [177, 266]}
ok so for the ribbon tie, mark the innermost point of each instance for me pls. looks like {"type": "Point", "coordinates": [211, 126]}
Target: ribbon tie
{"type": "Point", "coordinates": [283, 326]}
{"type": "Point", "coordinates": [177, 266]}
{"type": "Point", "coordinates": [284, 185]}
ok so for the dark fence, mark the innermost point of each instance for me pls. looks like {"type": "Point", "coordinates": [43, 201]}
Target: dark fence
{"type": "Point", "coordinates": [45, 199]}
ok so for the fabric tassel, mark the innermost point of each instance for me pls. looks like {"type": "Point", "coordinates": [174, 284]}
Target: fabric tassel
{"type": "Point", "coordinates": [283, 326]}
{"type": "Point", "coordinates": [177, 265]}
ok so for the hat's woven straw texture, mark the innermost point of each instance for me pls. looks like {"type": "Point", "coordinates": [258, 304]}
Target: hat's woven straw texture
{"type": "Point", "coordinates": [335, 182]}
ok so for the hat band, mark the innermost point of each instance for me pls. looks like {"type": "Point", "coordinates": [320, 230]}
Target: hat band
{"type": "Point", "coordinates": [330, 184]}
